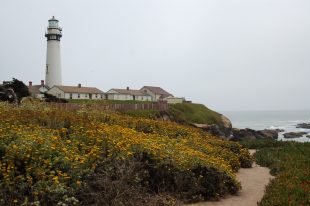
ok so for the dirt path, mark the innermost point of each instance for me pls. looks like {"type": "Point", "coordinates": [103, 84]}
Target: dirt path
{"type": "Point", "coordinates": [253, 181]}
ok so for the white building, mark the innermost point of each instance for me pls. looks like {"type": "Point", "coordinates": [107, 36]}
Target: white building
{"type": "Point", "coordinates": [37, 91]}
{"type": "Point", "coordinates": [157, 93]}
{"type": "Point", "coordinates": [76, 92]}
{"type": "Point", "coordinates": [53, 63]}
{"type": "Point", "coordinates": [127, 94]}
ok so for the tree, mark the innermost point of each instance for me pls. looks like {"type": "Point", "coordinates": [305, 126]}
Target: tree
{"type": "Point", "coordinates": [20, 89]}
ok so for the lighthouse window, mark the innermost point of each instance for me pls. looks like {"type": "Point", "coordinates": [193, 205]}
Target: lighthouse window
{"type": "Point", "coordinates": [53, 24]}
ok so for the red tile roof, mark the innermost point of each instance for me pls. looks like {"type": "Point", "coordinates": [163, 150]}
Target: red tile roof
{"type": "Point", "coordinates": [34, 89]}
{"type": "Point", "coordinates": [77, 89]}
{"type": "Point", "coordinates": [157, 90]}
{"type": "Point", "coordinates": [130, 92]}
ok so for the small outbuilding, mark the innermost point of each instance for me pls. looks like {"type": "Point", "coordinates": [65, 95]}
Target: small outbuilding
{"type": "Point", "coordinates": [37, 91]}
{"type": "Point", "coordinates": [174, 100]}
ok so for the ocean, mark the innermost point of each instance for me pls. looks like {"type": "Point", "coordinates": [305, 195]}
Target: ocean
{"type": "Point", "coordinates": [258, 120]}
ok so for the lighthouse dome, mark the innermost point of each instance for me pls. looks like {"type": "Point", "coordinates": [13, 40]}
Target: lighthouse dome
{"type": "Point", "coordinates": [53, 19]}
{"type": "Point", "coordinates": [53, 23]}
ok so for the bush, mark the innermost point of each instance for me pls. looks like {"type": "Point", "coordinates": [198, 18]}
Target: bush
{"type": "Point", "coordinates": [48, 155]}
{"type": "Point", "coordinates": [121, 182]}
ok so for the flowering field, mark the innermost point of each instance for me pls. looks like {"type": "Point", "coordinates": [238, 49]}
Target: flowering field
{"type": "Point", "coordinates": [47, 156]}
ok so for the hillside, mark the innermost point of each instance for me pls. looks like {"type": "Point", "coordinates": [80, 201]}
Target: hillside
{"type": "Point", "coordinates": [51, 156]}
{"type": "Point", "coordinates": [194, 113]}
{"type": "Point", "coordinates": [189, 113]}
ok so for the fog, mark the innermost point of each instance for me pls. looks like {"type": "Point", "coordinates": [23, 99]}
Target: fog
{"type": "Point", "coordinates": [228, 55]}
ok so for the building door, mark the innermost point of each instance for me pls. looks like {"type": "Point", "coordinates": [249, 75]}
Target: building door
{"type": "Point", "coordinates": [90, 96]}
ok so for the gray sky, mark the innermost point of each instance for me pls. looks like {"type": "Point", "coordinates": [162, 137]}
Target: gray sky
{"type": "Point", "coordinates": [227, 54]}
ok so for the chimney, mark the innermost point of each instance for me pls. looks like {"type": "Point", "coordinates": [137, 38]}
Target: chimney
{"type": "Point", "coordinates": [127, 88]}
{"type": "Point", "coordinates": [30, 83]}
{"type": "Point", "coordinates": [79, 85]}
{"type": "Point", "coordinates": [42, 82]}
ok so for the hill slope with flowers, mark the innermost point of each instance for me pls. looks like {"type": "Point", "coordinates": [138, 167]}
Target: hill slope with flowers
{"type": "Point", "coordinates": [50, 156]}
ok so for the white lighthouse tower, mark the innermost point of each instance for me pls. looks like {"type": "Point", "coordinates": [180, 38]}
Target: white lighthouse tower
{"type": "Point", "coordinates": [53, 63]}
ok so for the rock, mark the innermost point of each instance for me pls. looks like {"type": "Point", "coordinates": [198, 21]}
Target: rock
{"type": "Point", "coordinates": [268, 134]}
{"type": "Point", "coordinates": [226, 126]}
{"type": "Point", "coordinates": [279, 130]}
{"type": "Point", "coordinates": [212, 129]}
{"type": "Point", "coordinates": [246, 134]}
{"type": "Point", "coordinates": [241, 134]}
{"type": "Point", "coordinates": [303, 125]}
{"type": "Point", "coordinates": [224, 129]}
{"type": "Point", "coordinates": [308, 136]}
{"type": "Point", "coordinates": [294, 134]}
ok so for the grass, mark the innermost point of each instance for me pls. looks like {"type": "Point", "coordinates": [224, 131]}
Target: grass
{"type": "Point", "coordinates": [150, 114]}
{"type": "Point", "coordinates": [194, 113]}
{"type": "Point", "coordinates": [182, 113]}
{"type": "Point", "coordinates": [261, 143]}
{"type": "Point", "coordinates": [92, 101]}
{"type": "Point", "coordinates": [290, 163]}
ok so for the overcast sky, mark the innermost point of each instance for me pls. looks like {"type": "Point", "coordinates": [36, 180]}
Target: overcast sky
{"type": "Point", "coordinates": [226, 54]}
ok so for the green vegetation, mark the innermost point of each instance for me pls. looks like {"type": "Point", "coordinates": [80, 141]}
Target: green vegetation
{"type": "Point", "coordinates": [194, 113]}
{"type": "Point", "coordinates": [91, 101]}
{"type": "Point", "coordinates": [20, 89]}
{"type": "Point", "coordinates": [52, 156]}
{"type": "Point", "coordinates": [126, 102]}
{"type": "Point", "coordinates": [262, 143]}
{"type": "Point", "coordinates": [150, 114]}
{"type": "Point", "coordinates": [187, 113]}
{"type": "Point", "coordinates": [290, 163]}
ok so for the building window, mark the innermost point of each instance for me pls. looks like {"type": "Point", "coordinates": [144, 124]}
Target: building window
{"type": "Point", "coordinates": [96, 96]}
{"type": "Point", "coordinates": [101, 96]}
{"type": "Point", "coordinates": [70, 95]}
{"type": "Point", "coordinates": [86, 95]}
{"type": "Point", "coordinates": [79, 96]}
{"type": "Point", "coordinates": [59, 95]}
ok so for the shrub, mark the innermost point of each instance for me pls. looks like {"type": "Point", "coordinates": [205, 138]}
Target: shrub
{"type": "Point", "coordinates": [48, 154]}
{"type": "Point", "coordinates": [289, 161]}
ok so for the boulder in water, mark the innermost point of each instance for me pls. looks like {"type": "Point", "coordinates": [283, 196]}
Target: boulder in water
{"type": "Point", "coordinates": [294, 134]}
{"type": "Point", "coordinates": [303, 125]}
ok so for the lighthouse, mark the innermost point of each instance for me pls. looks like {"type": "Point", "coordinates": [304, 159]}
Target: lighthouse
{"type": "Point", "coordinates": [53, 62]}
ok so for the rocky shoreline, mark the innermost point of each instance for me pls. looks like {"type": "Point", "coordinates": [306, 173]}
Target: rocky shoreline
{"type": "Point", "coordinates": [294, 134]}
{"type": "Point", "coordinates": [235, 134]}
{"type": "Point", "coordinates": [303, 125]}
{"type": "Point", "coordinates": [249, 134]}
